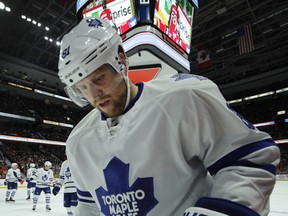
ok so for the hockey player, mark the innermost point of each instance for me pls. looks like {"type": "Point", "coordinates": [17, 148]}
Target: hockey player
{"type": "Point", "coordinates": [30, 181]}
{"type": "Point", "coordinates": [43, 177]}
{"type": "Point", "coordinates": [165, 147]}
{"type": "Point", "coordinates": [13, 175]}
{"type": "Point", "coordinates": [70, 194]}
{"type": "Point", "coordinates": [106, 14]}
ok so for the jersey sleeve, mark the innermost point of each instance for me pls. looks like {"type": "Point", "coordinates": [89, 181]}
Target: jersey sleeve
{"type": "Point", "coordinates": [62, 174]}
{"type": "Point", "coordinates": [8, 174]}
{"type": "Point", "coordinates": [86, 204]}
{"type": "Point", "coordinates": [36, 174]}
{"type": "Point", "coordinates": [28, 176]}
{"type": "Point", "coordinates": [241, 159]}
{"type": "Point", "coordinates": [51, 176]}
{"type": "Point", "coordinates": [18, 174]}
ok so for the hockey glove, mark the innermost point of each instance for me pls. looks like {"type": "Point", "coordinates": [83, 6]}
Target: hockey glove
{"type": "Point", "coordinates": [193, 211]}
{"type": "Point", "coordinates": [5, 182]}
{"type": "Point", "coordinates": [27, 180]}
{"type": "Point", "coordinates": [55, 190]}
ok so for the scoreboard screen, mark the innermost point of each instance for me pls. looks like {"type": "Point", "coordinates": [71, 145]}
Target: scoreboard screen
{"type": "Point", "coordinates": [119, 13]}
{"type": "Point", "coordinates": [175, 18]}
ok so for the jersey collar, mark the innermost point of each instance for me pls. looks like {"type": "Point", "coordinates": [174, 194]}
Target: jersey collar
{"type": "Point", "coordinates": [132, 103]}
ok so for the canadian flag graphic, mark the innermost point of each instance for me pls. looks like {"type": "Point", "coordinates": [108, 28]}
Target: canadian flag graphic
{"type": "Point", "coordinates": [203, 58]}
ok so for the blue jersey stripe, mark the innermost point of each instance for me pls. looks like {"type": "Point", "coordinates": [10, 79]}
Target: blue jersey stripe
{"type": "Point", "coordinates": [86, 201]}
{"type": "Point", "coordinates": [84, 193]}
{"type": "Point", "coordinates": [233, 157]}
{"type": "Point", "coordinates": [70, 187]}
{"type": "Point", "coordinates": [268, 167]}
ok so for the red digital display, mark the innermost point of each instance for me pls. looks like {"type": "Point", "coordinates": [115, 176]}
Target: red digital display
{"type": "Point", "coordinates": [175, 19]}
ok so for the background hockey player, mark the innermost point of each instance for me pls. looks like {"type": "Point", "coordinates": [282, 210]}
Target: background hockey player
{"type": "Point", "coordinates": [13, 176]}
{"type": "Point", "coordinates": [31, 183]}
{"type": "Point", "coordinates": [44, 177]}
{"type": "Point", "coordinates": [70, 193]}
{"type": "Point", "coordinates": [164, 147]}
{"type": "Point", "coordinates": [106, 14]}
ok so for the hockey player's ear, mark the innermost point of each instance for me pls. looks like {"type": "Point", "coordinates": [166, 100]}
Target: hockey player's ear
{"type": "Point", "coordinates": [123, 60]}
{"type": "Point", "coordinates": [124, 63]}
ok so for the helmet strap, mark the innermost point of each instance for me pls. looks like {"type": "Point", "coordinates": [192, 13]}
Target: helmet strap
{"type": "Point", "coordinates": [128, 91]}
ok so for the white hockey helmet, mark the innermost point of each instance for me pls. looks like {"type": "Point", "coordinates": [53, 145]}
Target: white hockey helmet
{"type": "Point", "coordinates": [14, 165]}
{"type": "Point", "coordinates": [47, 165]}
{"type": "Point", "coordinates": [32, 165]}
{"type": "Point", "coordinates": [88, 46]}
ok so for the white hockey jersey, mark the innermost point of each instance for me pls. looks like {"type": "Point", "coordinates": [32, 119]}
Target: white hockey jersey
{"type": "Point", "coordinates": [66, 178]}
{"type": "Point", "coordinates": [178, 141]}
{"type": "Point", "coordinates": [44, 178]}
{"type": "Point", "coordinates": [30, 172]}
{"type": "Point", "coordinates": [13, 175]}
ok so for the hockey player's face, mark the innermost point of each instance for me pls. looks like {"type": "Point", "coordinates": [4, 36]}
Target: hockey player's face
{"type": "Point", "coordinates": [105, 90]}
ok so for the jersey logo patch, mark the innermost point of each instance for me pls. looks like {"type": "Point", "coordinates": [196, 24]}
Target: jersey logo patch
{"type": "Point", "coordinates": [94, 23]}
{"type": "Point", "coordinates": [120, 198]}
{"type": "Point", "coordinates": [33, 172]}
{"type": "Point", "coordinates": [68, 173]}
{"type": "Point", "coordinates": [44, 177]}
{"type": "Point", "coordinates": [182, 76]}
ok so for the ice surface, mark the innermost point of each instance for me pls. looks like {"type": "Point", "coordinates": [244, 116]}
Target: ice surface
{"type": "Point", "coordinates": [23, 207]}
{"type": "Point", "coordinates": [279, 199]}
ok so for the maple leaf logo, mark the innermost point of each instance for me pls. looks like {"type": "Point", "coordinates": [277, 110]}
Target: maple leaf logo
{"type": "Point", "coordinates": [94, 23]}
{"type": "Point", "coordinates": [45, 177]}
{"type": "Point", "coordinates": [120, 199]}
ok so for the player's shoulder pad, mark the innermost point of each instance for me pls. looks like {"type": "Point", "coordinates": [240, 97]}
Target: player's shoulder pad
{"type": "Point", "coordinates": [189, 80]}
{"type": "Point", "coordinates": [180, 80]}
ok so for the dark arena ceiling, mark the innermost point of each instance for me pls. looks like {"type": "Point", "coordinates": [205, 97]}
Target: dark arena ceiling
{"type": "Point", "coordinates": [215, 28]}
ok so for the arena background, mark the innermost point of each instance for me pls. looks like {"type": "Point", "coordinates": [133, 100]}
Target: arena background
{"type": "Point", "coordinates": [242, 45]}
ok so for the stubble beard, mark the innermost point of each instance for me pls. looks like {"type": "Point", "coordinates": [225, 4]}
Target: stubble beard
{"type": "Point", "coordinates": [117, 99]}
